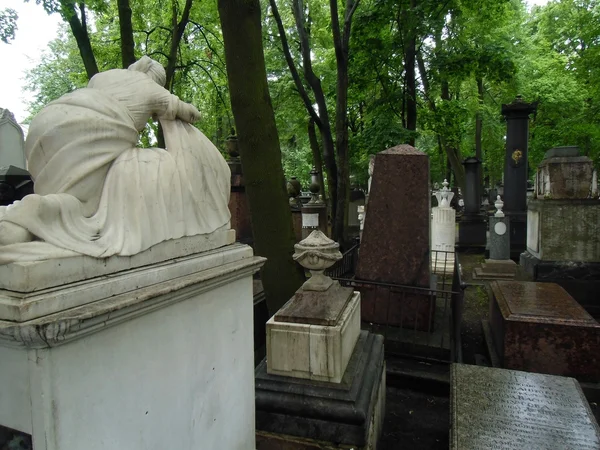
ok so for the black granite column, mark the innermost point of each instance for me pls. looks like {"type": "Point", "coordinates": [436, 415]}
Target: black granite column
{"type": "Point", "coordinates": [472, 227]}
{"type": "Point", "coordinates": [516, 170]}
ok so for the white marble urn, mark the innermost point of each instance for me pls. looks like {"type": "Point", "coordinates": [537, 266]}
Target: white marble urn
{"type": "Point", "coordinates": [316, 253]}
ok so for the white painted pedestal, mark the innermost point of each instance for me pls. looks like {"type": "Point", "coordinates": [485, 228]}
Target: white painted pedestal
{"type": "Point", "coordinates": [152, 356]}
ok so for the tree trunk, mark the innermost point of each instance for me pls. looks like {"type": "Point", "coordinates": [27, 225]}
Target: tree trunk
{"type": "Point", "coordinates": [452, 151]}
{"type": "Point", "coordinates": [316, 152]}
{"type": "Point", "coordinates": [126, 30]}
{"type": "Point", "coordinates": [341, 43]}
{"type": "Point", "coordinates": [409, 70]}
{"type": "Point", "coordinates": [478, 131]}
{"type": "Point", "coordinates": [80, 32]}
{"type": "Point", "coordinates": [259, 149]}
{"type": "Point", "coordinates": [321, 118]}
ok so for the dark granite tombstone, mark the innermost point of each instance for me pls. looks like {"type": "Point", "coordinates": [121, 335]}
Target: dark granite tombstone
{"type": "Point", "coordinates": [472, 226]}
{"type": "Point", "coordinates": [539, 327]}
{"type": "Point", "coordinates": [499, 266]}
{"type": "Point", "coordinates": [511, 410]}
{"type": "Point", "coordinates": [516, 170]}
{"type": "Point", "coordinates": [395, 240]}
{"type": "Point", "coordinates": [15, 183]}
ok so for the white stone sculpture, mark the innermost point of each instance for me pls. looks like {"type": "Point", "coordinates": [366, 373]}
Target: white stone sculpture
{"type": "Point", "coordinates": [499, 204]}
{"type": "Point", "coordinates": [96, 192]}
{"type": "Point", "coordinates": [444, 196]}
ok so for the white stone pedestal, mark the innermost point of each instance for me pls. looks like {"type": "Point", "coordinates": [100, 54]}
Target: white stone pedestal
{"type": "Point", "coordinates": [314, 352]}
{"type": "Point", "coordinates": [158, 356]}
{"type": "Point", "coordinates": [443, 239]}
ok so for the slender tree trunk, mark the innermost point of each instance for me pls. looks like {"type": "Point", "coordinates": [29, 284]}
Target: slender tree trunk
{"type": "Point", "coordinates": [478, 131]}
{"type": "Point", "coordinates": [316, 152]}
{"type": "Point", "coordinates": [452, 151]}
{"type": "Point", "coordinates": [80, 32]}
{"type": "Point", "coordinates": [259, 148]}
{"type": "Point", "coordinates": [176, 34]}
{"type": "Point", "coordinates": [409, 70]}
{"type": "Point", "coordinates": [341, 43]}
{"type": "Point", "coordinates": [126, 30]}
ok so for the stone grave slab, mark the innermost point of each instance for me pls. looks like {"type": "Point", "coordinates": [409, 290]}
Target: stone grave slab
{"type": "Point", "coordinates": [507, 409]}
{"type": "Point", "coordinates": [539, 327]}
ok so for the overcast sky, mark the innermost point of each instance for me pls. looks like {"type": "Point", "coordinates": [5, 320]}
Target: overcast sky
{"type": "Point", "coordinates": [35, 30]}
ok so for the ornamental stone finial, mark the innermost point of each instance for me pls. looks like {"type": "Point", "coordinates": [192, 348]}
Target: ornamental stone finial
{"type": "Point", "coordinates": [444, 196]}
{"type": "Point", "coordinates": [316, 253]}
{"type": "Point", "coordinates": [499, 204]}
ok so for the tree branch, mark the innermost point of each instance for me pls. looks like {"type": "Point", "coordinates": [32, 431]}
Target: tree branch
{"type": "Point", "coordinates": [292, 66]}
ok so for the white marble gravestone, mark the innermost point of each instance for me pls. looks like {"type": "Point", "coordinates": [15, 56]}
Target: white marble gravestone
{"type": "Point", "coordinates": [443, 232]}
{"type": "Point", "coordinates": [12, 151]}
{"type": "Point", "coordinates": [131, 328]}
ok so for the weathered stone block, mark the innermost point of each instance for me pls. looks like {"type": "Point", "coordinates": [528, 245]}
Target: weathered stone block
{"type": "Point", "coordinates": [539, 327]}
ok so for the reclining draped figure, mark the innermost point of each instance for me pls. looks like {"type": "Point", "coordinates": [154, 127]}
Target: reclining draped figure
{"type": "Point", "coordinates": [98, 194]}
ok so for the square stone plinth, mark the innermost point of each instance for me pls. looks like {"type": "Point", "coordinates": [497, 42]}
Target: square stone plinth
{"type": "Point", "coordinates": [539, 327]}
{"type": "Point", "coordinates": [158, 356]}
{"type": "Point", "coordinates": [315, 352]}
{"type": "Point", "coordinates": [506, 409]}
{"type": "Point", "coordinates": [300, 414]}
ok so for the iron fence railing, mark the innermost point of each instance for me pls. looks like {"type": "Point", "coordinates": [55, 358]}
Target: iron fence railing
{"type": "Point", "coordinates": [415, 321]}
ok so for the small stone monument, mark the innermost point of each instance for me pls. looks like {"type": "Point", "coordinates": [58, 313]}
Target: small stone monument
{"type": "Point", "coordinates": [12, 144]}
{"type": "Point", "coordinates": [443, 232]}
{"type": "Point", "coordinates": [507, 409]}
{"type": "Point", "coordinates": [563, 226]}
{"type": "Point", "coordinates": [499, 266]}
{"type": "Point", "coordinates": [323, 379]}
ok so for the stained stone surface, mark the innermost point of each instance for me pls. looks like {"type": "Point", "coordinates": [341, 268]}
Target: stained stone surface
{"type": "Point", "coordinates": [507, 409]}
{"type": "Point", "coordinates": [316, 308]}
{"type": "Point", "coordinates": [539, 327]}
{"type": "Point", "coordinates": [395, 240]}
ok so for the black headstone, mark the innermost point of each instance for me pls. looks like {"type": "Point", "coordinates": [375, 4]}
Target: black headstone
{"type": "Point", "coordinates": [15, 183]}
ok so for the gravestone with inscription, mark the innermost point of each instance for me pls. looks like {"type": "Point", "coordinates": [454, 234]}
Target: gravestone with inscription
{"type": "Point", "coordinates": [512, 410]}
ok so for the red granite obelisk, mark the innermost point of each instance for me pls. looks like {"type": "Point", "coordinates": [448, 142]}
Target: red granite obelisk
{"type": "Point", "coordinates": [395, 242]}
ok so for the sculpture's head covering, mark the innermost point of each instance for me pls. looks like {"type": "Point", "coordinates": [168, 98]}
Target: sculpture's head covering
{"type": "Point", "coordinates": [152, 68]}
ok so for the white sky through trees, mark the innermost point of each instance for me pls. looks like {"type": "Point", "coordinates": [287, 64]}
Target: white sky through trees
{"type": "Point", "coordinates": [35, 30]}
